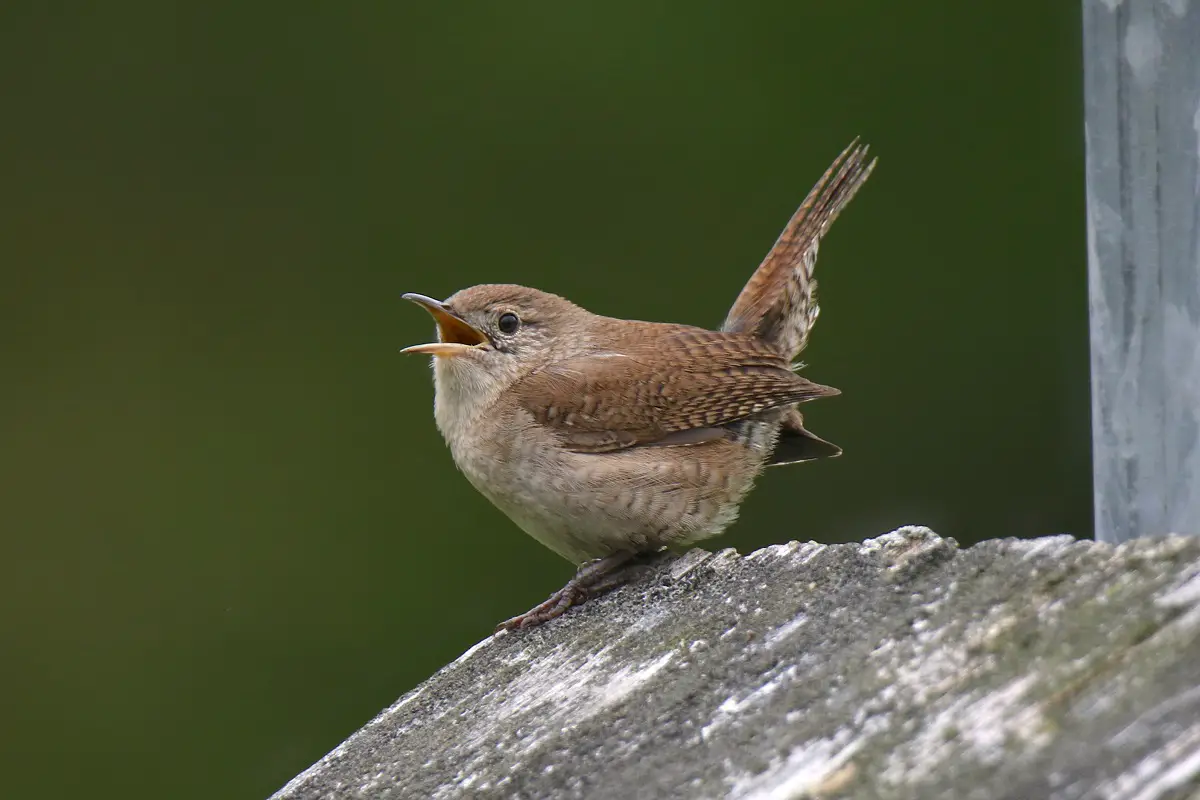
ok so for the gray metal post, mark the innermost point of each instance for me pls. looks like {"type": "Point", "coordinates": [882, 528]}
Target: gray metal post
{"type": "Point", "coordinates": [1142, 98]}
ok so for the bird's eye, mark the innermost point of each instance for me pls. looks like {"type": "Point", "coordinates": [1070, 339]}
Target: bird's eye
{"type": "Point", "coordinates": [508, 322]}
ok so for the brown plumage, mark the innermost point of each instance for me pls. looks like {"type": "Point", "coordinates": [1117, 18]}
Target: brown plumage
{"type": "Point", "coordinates": [606, 438]}
{"type": "Point", "coordinates": [666, 379]}
{"type": "Point", "coordinates": [779, 302]}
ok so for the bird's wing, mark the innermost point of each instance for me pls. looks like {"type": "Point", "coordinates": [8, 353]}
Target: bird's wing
{"type": "Point", "coordinates": [673, 388]}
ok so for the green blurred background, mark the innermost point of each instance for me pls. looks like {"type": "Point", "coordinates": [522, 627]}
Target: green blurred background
{"type": "Point", "coordinates": [231, 531]}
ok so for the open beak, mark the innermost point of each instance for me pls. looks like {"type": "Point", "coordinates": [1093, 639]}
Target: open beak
{"type": "Point", "coordinates": [457, 336]}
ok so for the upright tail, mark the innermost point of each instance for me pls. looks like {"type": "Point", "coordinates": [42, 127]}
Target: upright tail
{"type": "Point", "coordinates": [779, 302]}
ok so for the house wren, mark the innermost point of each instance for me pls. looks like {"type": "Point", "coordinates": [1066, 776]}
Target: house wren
{"type": "Point", "coordinates": [608, 439]}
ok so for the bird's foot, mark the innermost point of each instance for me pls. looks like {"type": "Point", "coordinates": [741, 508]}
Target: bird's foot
{"type": "Point", "coordinates": [593, 579]}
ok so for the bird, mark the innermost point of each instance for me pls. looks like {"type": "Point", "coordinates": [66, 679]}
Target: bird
{"type": "Point", "coordinates": [609, 440]}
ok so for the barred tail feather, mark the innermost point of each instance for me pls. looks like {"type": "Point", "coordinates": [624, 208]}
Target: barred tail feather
{"type": "Point", "coordinates": [779, 302]}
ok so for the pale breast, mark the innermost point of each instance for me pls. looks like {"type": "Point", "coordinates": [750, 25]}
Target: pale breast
{"type": "Point", "coordinates": [588, 505]}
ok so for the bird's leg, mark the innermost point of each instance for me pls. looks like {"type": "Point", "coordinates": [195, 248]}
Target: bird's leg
{"type": "Point", "coordinates": [593, 578]}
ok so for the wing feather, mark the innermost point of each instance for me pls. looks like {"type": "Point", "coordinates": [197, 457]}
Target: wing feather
{"type": "Point", "coordinates": [683, 379]}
